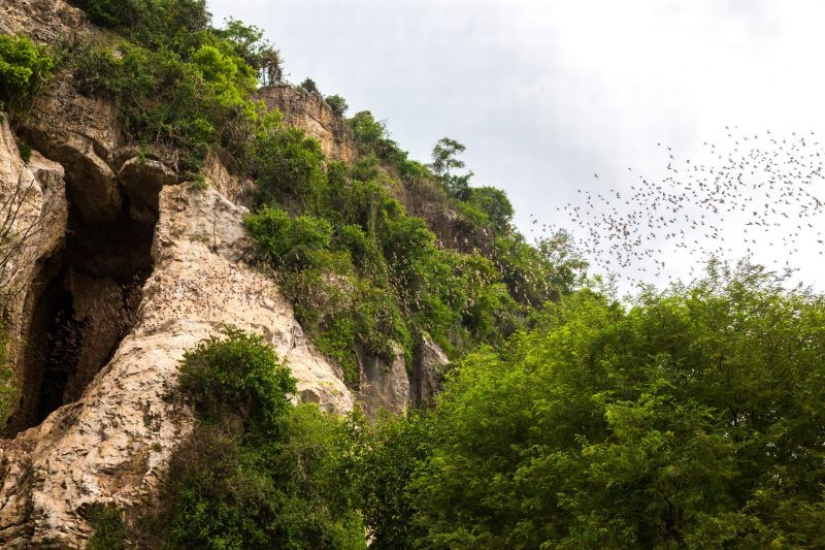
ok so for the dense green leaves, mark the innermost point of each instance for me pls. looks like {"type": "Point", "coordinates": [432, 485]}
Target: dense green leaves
{"type": "Point", "coordinates": [691, 420]}
{"type": "Point", "coordinates": [177, 80]}
{"type": "Point", "coordinates": [337, 103]}
{"type": "Point", "coordinates": [239, 375]}
{"type": "Point", "coordinates": [257, 472]}
{"type": "Point", "coordinates": [9, 392]}
{"type": "Point", "coordinates": [24, 69]}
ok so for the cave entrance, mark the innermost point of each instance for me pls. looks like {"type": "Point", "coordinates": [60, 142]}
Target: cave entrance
{"type": "Point", "coordinates": [84, 303]}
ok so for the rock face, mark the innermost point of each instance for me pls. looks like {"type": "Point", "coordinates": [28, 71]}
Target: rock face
{"type": "Point", "coordinates": [147, 269]}
{"type": "Point", "coordinates": [113, 268]}
{"type": "Point", "coordinates": [430, 365]}
{"type": "Point", "coordinates": [384, 385]}
{"type": "Point", "coordinates": [42, 20]}
{"type": "Point", "coordinates": [310, 112]}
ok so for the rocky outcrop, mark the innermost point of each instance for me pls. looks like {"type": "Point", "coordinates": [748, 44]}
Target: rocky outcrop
{"type": "Point", "coordinates": [33, 208]}
{"type": "Point", "coordinates": [310, 112]}
{"type": "Point", "coordinates": [141, 269]}
{"type": "Point", "coordinates": [430, 365]}
{"type": "Point", "coordinates": [201, 245]}
{"type": "Point", "coordinates": [41, 20]}
{"type": "Point", "coordinates": [392, 386]}
{"type": "Point", "coordinates": [113, 267]}
{"type": "Point", "coordinates": [383, 384]}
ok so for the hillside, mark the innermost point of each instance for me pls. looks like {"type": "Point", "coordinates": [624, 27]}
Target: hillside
{"type": "Point", "coordinates": [149, 211]}
{"type": "Point", "coordinates": [235, 316]}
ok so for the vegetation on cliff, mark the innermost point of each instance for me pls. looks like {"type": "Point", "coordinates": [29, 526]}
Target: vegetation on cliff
{"type": "Point", "coordinates": [689, 419]}
{"type": "Point", "coordinates": [24, 69]}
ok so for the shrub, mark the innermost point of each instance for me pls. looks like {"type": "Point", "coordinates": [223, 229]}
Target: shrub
{"type": "Point", "coordinates": [239, 375]}
{"type": "Point", "coordinates": [239, 483]}
{"type": "Point", "coordinates": [371, 136]}
{"type": "Point", "coordinates": [495, 204]}
{"type": "Point", "coordinates": [151, 22]}
{"type": "Point", "coordinates": [288, 167]}
{"type": "Point", "coordinates": [9, 393]}
{"type": "Point", "coordinates": [110, 531]}
{"type": "Point", "coordinates": [192, 103]}
{"type": "Point", "coordinates": [24, 69]}
{"type": "Point", "coordinates": [309, 85]}
{"type": "Point", "coordinates": [290, 243]}
{"type": "Point", "coordinates": [337, 103]}
{"type": "Point", "coordinates": [25, 151]}
{"type": "Point", "coordinates": [249, 45]}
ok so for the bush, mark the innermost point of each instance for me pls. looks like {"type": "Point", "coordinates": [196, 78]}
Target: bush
{"type": "Point", "coordinates": [371, 136]}
{"type": "Point", "coordinates": [337, 103]}
{"type": "Point", "coordinates": [308, 85]}
{"type": "Point", "coordinates": [193, 102]}
{"type": "Point", "coordinates": [110, 531]}
{"type": "Point", "coordinates": [240, 483]}
{"type": "Point", "coordinates": [288, 167]}
{"type": "Point", "coordinates": [24, 70]}
{"type": "Point", "coordinates": [290, 243]}
{"type": "Point", "coordinates": [176, 79]}
{"type": "Point", "coordinates": [9, 393]}
{"type": "Point", "coordinates": [495, 204]}
{"type": "Point", "coordinates": [237, 375]}
{"type": "Point", "coordinates": [151, 22]}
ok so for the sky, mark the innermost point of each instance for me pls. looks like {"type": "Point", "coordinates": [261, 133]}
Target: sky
{"type": "Point", "coordinates": [559, 102]}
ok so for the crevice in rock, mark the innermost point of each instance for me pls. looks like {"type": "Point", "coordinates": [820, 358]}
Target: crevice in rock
{"type": "Point", "coordinates": [86, 300]}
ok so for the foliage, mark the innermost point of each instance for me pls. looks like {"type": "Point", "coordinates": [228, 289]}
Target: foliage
{"type": "Point", "coordinates": [24, 69]}
{"type": "Point", "coordinates": [375, 278]}
{"type": "Point", "coordinates": [9, 393]}
{"type": "Point", "coordinates": [337, 103]}
{"type": "Point", "coordinates": [238, 375]}
{"type": "Point", "coordinates": [496, 207]}
{"type": "Point", "coordinates": [308, 85]}
{"type": "Point", "coordinates": [387, 462]}
{"type": "Point", "coordinates": [692, 420]}
{"type": "Point", "coordinates": [177, 80]}
{"type": "Point", "coordinates": [257, 472]}
{"type": "Point", "coordinates": [290, 243]}
{"type": "Point", "coordinates": [288, 167]}
{"type": "Point", "coordinates": [371, 137]}
{"type": "Point", "coordinates": [445, 161]}
{"type": "Point", "coordinates": [110, 531]}
{"type": "Point", "coordinates": [150, 22]}
{"type": "Point", "coordinates": [251, 46]}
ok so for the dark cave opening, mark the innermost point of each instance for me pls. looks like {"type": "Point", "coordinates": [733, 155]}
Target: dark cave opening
{"type": "Point", "coordinates": [85, 301]}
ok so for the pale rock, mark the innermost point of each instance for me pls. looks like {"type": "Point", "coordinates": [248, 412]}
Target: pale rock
{"type": "Point", "coordinates": [311, 113]}
{"type": "Point", "coordinates": [113, 444]}
{"type": "Point", "coordinates": [383, 384]}
{"type": "Point", "coordinates": [430, 365]}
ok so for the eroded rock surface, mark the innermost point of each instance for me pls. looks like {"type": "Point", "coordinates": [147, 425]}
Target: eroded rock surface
{"type": "Point", "coordinates": [310, 112]}
{"type": "Point", "coordinates": [42, 20]}
{"type": "Point", "coordinates": [112, 444]}
{"type": "Point", "coordinates": [383, 385]}
{"type": "Point", "coordinates": [428, 374]}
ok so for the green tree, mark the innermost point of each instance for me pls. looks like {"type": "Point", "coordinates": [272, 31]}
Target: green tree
{"type": "Point", "coordinates": [445, 162]}
{"type": "Point", "coordinates": [495, 205]}
{"type": "Point", "coordinates": [337, 103]}
{"type": "Point", "coordinates": [691, 420]}
{"type": "Point", "coordinates": [309, 85]}
{"type": "Point", "coordinates": [24, 69]}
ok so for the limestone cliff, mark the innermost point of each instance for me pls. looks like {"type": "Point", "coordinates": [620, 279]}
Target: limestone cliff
{"type": "Point", "coordinates": [108, 441]}
{"type": "Point", "coordinates": [309, 111]}
{"type": "Point", "coordinates": [115, 268]}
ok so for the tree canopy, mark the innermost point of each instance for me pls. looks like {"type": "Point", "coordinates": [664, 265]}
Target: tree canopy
{"type": "Point", "coordinates": [693, 419]}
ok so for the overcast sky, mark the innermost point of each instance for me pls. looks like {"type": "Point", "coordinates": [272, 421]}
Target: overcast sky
{"type": "Point", "coordinates": [545, 94]}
